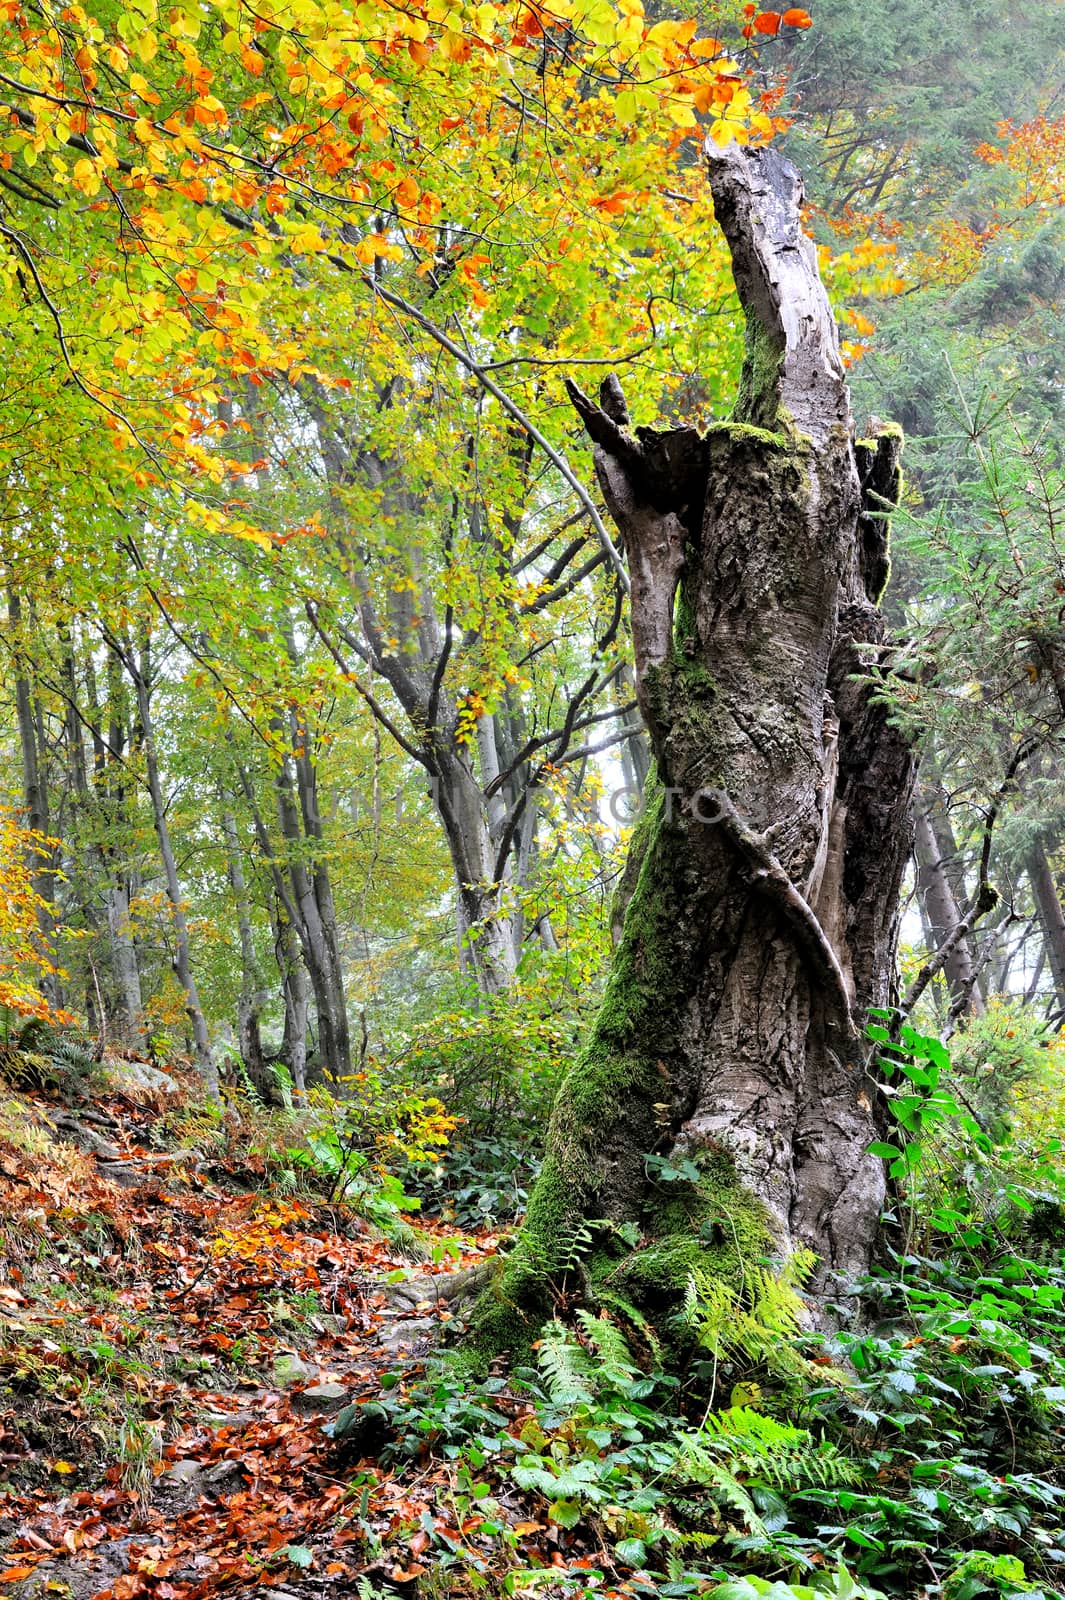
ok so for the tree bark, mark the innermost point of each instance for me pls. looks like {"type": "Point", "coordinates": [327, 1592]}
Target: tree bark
{"type": "Point", "coordinates": [1051, 916]}
{"type": "Point", "coordinates": [312, 899]}
{"type": "Point", "coordinates": [124, 964]}
{"type": "Point", "coordinates": [943, 915]}
{"type": "Point", "coordinates": [138, 672]}
{"type": "Point", "coordinates": [764, 917]}
{"type": "Point", "coordinates": [252, 997]}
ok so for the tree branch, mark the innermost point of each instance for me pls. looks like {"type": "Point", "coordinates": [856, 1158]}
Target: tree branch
{"type": "Point", "coordinates": [792, 371]}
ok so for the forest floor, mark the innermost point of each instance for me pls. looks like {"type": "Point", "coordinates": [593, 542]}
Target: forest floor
{"type": "Point", "coordinates": [174, 1339]}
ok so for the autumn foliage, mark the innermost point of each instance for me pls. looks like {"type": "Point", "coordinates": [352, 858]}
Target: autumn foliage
{"type": "Point", "coordinates": [24, 957]}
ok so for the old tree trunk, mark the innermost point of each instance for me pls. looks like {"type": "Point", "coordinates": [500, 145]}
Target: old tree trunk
{"type": "Point", "coordinates": [765, 872]}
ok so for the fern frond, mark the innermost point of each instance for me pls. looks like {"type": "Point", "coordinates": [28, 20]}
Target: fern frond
{"type": "Point", "coordinates": [565, 1366]}
{"type": "Point", "coordinates": [608, 1341]}
{"type": "Point", "coordinates": [762, 1325]}
{"type": "Point", "coordinates": [743, 1422]}
{"type": "Point", "coordinates": [696, 1464]}
{"type": "Point", "coordinates": [635, 1316]}
{"type": "Point", "coordinates": [564, 1254]}
{"type": "Point", "coordinates": [698, 1539]}
{"type": "Point", "coordinates": [783, 1456]}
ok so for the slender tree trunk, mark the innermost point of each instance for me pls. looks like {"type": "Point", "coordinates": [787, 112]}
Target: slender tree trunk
{"type": "Point", "coordinates": [296, 993]}
{"type": "Point", "coordinates": [107, 866]}
{"type": "Point", "coordinates": [290, 944]}
{"type": "Point", "coordinates": [488, 934]}
{"type": "Point", "coordinates": [107, 800]}
{"type": "Point", "coordinates": [315, 919]}
{"type": "Point", "coordinates": [182, 954]}
{"type": "Point", "coordinates": [764, 919]}
{"type": "Point", "coordinates": [124, 965]}
{"type": "Point", "coordinates": [1051, 917]}
{"type": "Point", "coordinates": [941, 910]}
{"type": "Point", "coordinates": [252, 995]}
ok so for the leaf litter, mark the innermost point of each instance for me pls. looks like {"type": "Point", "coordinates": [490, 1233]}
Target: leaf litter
{"type": "Point", "coordinates": [165, 1335]}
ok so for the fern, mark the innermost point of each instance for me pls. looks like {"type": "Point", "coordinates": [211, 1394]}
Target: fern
{"type": "Point", "coordinates": [565, 1254]}
{"type": "Point", "coordinates": [760, 1323]}
{"type": "Point", "coordinates": [696, 1464]}
{"type": "Point", "coordinates": [608, 1341]}
{"type": "Point", "coordinates": [565, 1365]}
{"type": "Point", "coordinates": [777, 1454]}
{"type": "Point", "coordinates": [635, 1316]}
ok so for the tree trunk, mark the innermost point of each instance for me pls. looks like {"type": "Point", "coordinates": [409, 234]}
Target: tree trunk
{"type": "Point", "coordinates": [124, 964]}
{"type": "Point", "coordinates": [484, 925]}
{"type": "Point", "coordinates": [252, 995]}
{"type": "Point", "coordinates": [764, 918]}
{"type": "Point", "coordinates": [1048, 904]}
{"type": "Point", "coordinates": [315, 919]}
{"type": "Point", "coordinates": [296, 992]}
{"type": "Point", "coordinates": [109, 875]}
{"type": "Point", "coordinates": [182, 955]}
{"type": "Point", "coordinates": [941, 910]}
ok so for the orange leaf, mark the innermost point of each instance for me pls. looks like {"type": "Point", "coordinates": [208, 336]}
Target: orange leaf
{"type": "Point", "coordinates": [767, 22]}
{"type": "Point", "coordinates": [797, 18]}
{"type": "Point", "coordinates": [16, 1574]}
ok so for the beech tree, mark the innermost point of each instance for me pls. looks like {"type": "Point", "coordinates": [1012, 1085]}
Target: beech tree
{"type": "Point", "coordinates": [765, 872]}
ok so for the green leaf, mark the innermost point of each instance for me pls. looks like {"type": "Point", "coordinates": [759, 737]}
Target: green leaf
{"type": "Point", "coordinates": [298, 1554]}
{"type": "Point", "coordinates": [566, 1513]}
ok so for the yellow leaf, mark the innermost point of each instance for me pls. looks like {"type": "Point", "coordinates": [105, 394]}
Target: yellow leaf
{"type": "Point", "coordinates": [306, 240]}
{"type": "Point", "coordinates": [63, 1467]}
{"type": "Point", "coordinates": [86, 178]}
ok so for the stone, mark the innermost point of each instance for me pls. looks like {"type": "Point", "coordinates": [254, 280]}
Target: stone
{"type": "Point", "coordinates": [180, 1473]}
{"type": "Point", "coordinates": [224, 1476]}
{"type": "Point", "coordinates": [321, 1397]}
{"type": "Point", "coordinates": [290, 1370]}
{"type": "Point", "coordinates": [329, 1322]}
{"type": "Point", "coordinates": [405, 1331]}
{"type": "Point", "coordinates": [140, 1075]}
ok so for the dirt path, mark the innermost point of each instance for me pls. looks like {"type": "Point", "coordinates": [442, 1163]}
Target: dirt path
{"type": "Point", "coordinates": [174, 1347]}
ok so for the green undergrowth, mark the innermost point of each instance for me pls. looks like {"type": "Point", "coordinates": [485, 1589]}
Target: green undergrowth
{"type": "Point", "coordinates": [923, 1456]}
{"type": "Point", "coordinates": [916, 1452]}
